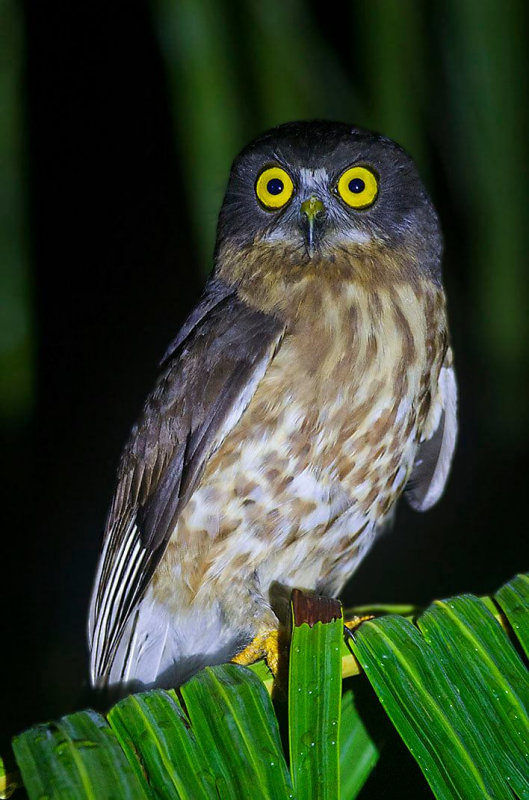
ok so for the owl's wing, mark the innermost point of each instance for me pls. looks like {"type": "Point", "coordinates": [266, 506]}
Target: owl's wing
{"type": "Point", "coordinates": [211, 372]}
{"type": "Point", "coordinates": [434, 455]}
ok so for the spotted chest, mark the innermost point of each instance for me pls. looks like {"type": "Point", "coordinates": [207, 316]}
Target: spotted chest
{"type": "Point", "coordinates": [296, 490]}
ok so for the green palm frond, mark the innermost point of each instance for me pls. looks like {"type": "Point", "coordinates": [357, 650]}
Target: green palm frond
{"type": "Point", "coordinates": [454, 683]}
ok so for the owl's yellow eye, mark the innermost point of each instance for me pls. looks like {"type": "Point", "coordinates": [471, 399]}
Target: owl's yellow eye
{"type": "Point", "coordinates": [274, 187]}
{"type": "Point", "coordinates": [358, 187]}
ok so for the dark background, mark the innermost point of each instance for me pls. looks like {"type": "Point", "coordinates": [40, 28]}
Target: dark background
{"type": "Point", "coordinates": [122, 122]}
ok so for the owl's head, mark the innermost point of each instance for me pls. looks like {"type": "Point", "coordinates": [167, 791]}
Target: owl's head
{"type": "Point", "coordinates": [318, 189]}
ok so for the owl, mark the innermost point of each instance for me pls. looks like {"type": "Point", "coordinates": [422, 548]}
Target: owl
{"type": "Point", "coordinates": [311, 386]}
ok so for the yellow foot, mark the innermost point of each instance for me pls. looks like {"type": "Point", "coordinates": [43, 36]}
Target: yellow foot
{"type": "Point", "coordinates": [265, 645]}
{"type": "Point", "coordinates": [352, 624]}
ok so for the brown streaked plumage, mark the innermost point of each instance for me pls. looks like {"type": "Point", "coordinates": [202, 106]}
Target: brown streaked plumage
{"type": "Point", "coordinates": [311, 386]}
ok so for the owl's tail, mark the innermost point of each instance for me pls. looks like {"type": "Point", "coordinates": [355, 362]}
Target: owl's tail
{"type": "Point", "coordinates": [155, 650]}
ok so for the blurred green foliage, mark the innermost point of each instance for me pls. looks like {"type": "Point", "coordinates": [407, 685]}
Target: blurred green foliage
{"type": "Point", "coordinates": [16, 363]}
{"type": "Point", "coordinates": [447, 80]}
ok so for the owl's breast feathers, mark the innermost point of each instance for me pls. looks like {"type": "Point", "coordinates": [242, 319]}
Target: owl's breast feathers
{"type": "Point", "coordinates": [330, 434]}
{"type": "Point", "coordinates": [291, 418]}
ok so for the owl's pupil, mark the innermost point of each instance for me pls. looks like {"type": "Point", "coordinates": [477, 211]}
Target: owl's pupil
{"type": "Point", "coordinates": [275, 186]}
{"type": "Point", "coordinates": [357, 185]}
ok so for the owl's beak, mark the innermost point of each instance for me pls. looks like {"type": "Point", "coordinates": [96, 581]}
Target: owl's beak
{"type": "Point", "coordinates": [312, 214]}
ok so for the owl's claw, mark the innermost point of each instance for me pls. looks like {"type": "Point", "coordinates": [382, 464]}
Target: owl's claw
{"type": "Point", "coordinates": [350, 625]}
{"type": "Point", "coordinates": [265, 645]}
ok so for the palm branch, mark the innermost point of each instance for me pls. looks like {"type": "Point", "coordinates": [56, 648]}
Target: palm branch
{"type": "Point", "coordinates": [453, 681]}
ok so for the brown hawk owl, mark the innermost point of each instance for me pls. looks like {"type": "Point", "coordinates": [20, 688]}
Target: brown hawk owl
{"type": "Point", "coordinates": [310, 387]}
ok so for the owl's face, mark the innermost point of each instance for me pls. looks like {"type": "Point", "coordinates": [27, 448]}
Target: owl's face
{"type": "Point", "coordinates": [318, 187]}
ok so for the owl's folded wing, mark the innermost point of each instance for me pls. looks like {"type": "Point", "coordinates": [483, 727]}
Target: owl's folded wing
{"type": "Point", "coordinates": [210, 374]}
{"type": "Point", "coordinates": [434, 455]}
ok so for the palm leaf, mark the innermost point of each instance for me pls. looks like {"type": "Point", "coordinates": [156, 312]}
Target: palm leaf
{"type": "Point", "coordinates": [453, 684]}
{"type": "Point", "coordinates": [224, 744]}
{"type": "Point", "coordinates": [359, 752]}
{"type": "Point", "coordinates": [458, 693]}
{"type": "Point", "coordinates": [78, 756]}
{"type": "Point", "coordinates": [314, 694]}
{"type": "Point", "coordinates": [513, 599]}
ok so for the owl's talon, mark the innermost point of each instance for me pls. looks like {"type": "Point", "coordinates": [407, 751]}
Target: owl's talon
{"type": "Point", "coordinates": [350, 625]}
{"type": "Point", "coordinates": [265, 645]}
